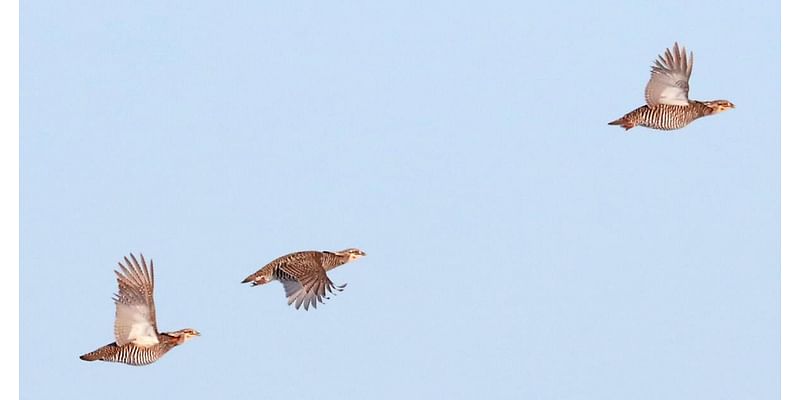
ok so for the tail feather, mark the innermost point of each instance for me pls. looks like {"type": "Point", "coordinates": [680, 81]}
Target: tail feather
{"type": "Point", "coordinates": [255, 280]}
{"type": "Point", "coordinates": [93, 356]}
{"type": "Point", "coordinates": [623, 122]}
{"type": "Point", "coordinates": [101, 354]}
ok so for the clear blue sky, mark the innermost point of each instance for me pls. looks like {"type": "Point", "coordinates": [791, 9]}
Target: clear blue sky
{"type": "Point", "coordinates": [518, 247]}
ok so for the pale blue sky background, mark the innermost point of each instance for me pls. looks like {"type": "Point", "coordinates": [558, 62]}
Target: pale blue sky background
{"type": "Point", "coordinates": [518, 247]}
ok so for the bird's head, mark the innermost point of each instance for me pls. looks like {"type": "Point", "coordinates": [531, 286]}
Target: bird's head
{"type": "Point", "coordinates": [352, 254]}
{"type": "Point", "coordinates": [718, 106]}
{"type": "Point", "coordinates": [184, 334]}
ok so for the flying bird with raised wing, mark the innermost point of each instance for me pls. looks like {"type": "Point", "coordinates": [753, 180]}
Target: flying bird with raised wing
{"type": "Point", "coordinates": [138, 341]}
{"type": "Point", "coordinates": [667, 95]}
{"type": "Point", "coordinates": [304, 274]}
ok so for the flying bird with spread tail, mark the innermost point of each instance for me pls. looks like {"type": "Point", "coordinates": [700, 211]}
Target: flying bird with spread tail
{"type": "Point", "coordinates": [138, 341]}
{"type": "Point", "coordinates": [667, 95]}
{"type": "Point", "coordinates": [304, 274]}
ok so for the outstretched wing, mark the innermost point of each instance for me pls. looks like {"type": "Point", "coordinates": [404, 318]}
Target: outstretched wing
{"type": "Point", "coordinates": [669, 79]}
{"type": "Point", "coordinates": [305, 281]}
{"type": "Point", "coordinates": [136, 313]}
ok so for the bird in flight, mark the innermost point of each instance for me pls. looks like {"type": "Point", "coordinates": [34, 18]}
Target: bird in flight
{"type": "Point", "coordinates": [304, 274]}
{"type": "Point", "coordinates": [138, 341]}
{"type": "Point", "coordinates": [667, 95]}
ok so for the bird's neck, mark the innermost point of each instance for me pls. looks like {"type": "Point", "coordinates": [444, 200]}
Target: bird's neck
{"type": "Point", "coordinates": [701, 109]}
{"type": "Point", "coordinates": [334, 260]}
{"type": "Point", "coordinates": [170, 339]}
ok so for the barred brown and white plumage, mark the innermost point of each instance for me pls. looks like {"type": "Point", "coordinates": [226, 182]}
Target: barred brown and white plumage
{"type": "Point", "coordinates": [667, 95]}
{"type": "Point", "coordinates": [304, 274]}
{"type": "Point", "coordinates": [138, 341]}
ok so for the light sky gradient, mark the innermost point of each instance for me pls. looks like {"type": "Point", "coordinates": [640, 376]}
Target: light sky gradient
{"type": "Point", "coordinates": [518, 247]}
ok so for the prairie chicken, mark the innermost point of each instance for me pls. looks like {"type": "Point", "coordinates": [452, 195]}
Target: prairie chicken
{"type": "Point", "coordinates": [304, 274]}
{"type": "Point", "coordinates": [667, 95]}
{"type": "Point", "coordinates": [138, 341]}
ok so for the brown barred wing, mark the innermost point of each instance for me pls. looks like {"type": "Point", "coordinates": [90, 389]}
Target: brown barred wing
{"type": "Point", "coordinates": [305, 281]}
